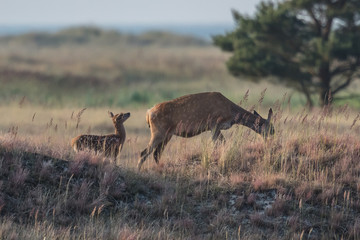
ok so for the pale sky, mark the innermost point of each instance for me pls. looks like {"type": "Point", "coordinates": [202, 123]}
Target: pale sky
{"type": "Point", "coordinates": [69, 12]}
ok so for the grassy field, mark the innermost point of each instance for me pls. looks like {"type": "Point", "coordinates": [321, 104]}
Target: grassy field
{"type": "Point", "coordinates": [89, 67]}
{"type": "Point", "coordinates": [303, 183]}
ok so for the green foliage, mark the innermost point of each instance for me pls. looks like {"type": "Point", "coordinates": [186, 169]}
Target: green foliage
{"type": "Point", "coordinates": [139, 97]}
{"type": "Point", "coordinates": [311, 46]}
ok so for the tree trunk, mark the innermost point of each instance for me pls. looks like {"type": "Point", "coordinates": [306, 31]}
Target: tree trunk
{"type": "Point", "coordinates": [325, 89]}
{"type": "Point", "coordinates": [309, 101]}
{"type": "Point", "coordinates": [305, 90]}
{"type": "Point", "coordinates": [325, 96]}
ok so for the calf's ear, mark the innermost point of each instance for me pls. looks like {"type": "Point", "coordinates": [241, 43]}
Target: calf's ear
{"type": "Point", "coordinates": [111, 114]}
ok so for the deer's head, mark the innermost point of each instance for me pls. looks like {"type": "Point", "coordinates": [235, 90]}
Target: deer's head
{"type": "Point", "coordinates": [266, 128]}
{"type": "Point", "coordinates": [119, 118]}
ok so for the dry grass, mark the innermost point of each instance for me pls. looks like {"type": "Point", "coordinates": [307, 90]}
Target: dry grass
{"type": "Point", "coordinates": [303, 183]}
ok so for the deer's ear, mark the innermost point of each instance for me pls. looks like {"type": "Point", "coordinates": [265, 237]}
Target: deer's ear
{"type": "Point", "coordinates": [256, 114]}
{"type": "Point", "coordinates": [270, 115]}
{"type": "Point", "coordinates": [111, 114]}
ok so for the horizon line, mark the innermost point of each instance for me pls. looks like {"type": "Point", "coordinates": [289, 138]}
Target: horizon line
{"type": "Point", "coordinates": [118, 24]}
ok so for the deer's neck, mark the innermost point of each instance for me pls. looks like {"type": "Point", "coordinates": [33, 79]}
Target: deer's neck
{"type": "Point", "coordinates": [248, 119]}
{"type": "Point", "coordinates": [120, 130]}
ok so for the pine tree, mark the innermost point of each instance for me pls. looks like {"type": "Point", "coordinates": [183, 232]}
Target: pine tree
{"type": "Point", "coordinates": [312, 46]}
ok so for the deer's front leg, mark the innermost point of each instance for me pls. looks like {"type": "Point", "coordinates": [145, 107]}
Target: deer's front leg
{"type": "Point", "coordinates": [217, 135]}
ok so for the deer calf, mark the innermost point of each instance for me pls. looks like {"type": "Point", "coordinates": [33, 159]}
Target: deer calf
{"type": "Point", "coordinates": [193, 114]}
{"type": "Point", "coordinates": [110, 144]}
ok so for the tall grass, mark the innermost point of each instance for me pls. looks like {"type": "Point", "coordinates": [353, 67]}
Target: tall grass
{"type": "Point", "coordinates": [304, 182]}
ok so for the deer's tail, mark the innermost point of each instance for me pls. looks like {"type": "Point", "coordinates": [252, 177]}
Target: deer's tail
{"type": "Point", "coordinates": [74, 144]}
{"type": "Point", "coordinates": [147, 117]}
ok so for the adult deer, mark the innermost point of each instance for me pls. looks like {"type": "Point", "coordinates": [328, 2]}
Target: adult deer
{"type": "Point", "coordinates": [110, 144]}
{"type": "Point", "coordinates": [193, 114]}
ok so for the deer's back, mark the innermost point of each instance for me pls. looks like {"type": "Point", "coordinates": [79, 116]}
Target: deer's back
{"type": "Point", "coordinates": [192, 111]}
{"type": "Point", "coordinates": [97, 143]}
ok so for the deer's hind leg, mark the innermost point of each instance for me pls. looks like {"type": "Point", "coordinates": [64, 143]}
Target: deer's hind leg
{"type": "Point", "coordinates": [160, 148]}
{"type": "Point", "coordinates": [154, 142]}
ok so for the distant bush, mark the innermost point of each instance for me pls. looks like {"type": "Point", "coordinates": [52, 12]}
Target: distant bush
{"type": "Point", "coordinates": [167, 39]}
{"type": "Point", "coordinates": [138, 97]}
{"type": "Point", "coordinates": [89, 34]}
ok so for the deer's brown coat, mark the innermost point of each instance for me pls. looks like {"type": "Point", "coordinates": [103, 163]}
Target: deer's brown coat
{"type": "Point", "coordinates": [193, 114]}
